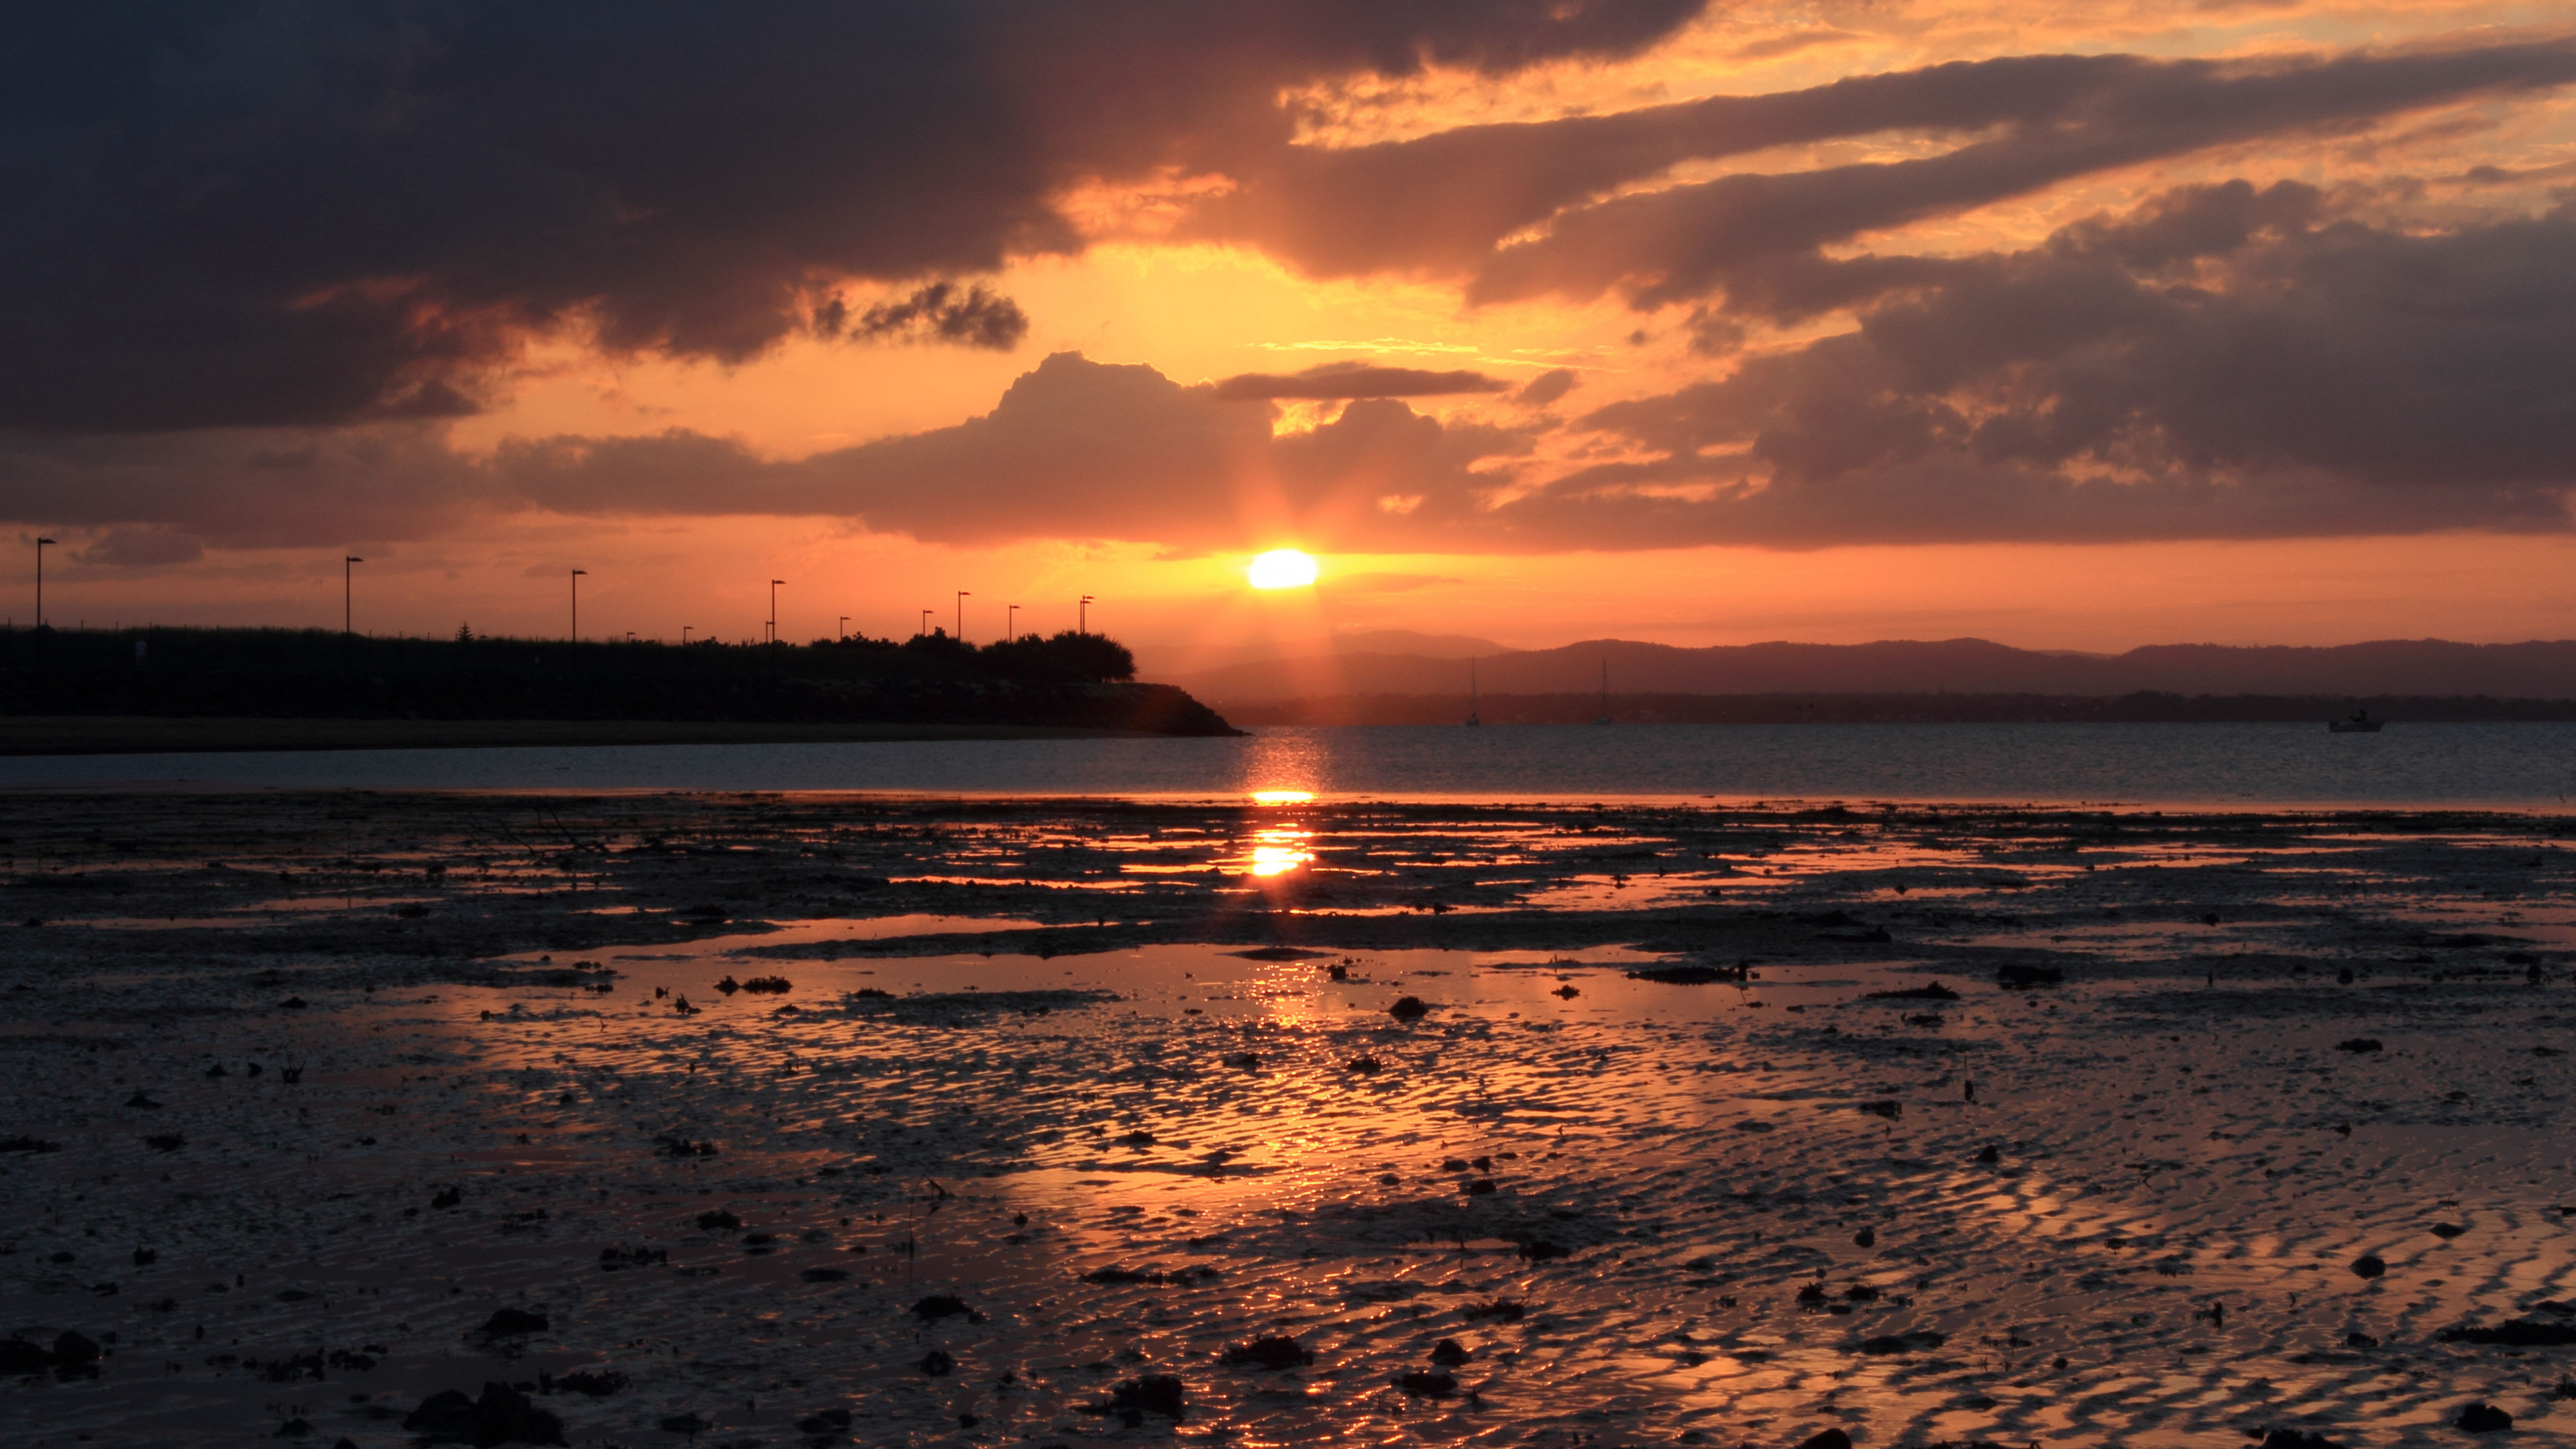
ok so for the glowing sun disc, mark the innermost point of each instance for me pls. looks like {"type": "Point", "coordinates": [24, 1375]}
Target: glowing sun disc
{"type": "Point", "coordinates": [1282, 568]}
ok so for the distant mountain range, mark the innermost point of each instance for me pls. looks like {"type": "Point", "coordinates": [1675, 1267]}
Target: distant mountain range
{"type": "Point", "coordinates": [2541, 669]}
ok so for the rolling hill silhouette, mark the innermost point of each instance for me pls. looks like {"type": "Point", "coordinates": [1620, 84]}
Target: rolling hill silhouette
{"type": "Point", "coordinates": [2540, 669]}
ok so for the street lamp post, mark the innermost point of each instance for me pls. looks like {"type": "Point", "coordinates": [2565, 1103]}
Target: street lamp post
{"type": "Point", "coordinates": [1084, 627]}
{"type": "Point", "coordinates": [773, 626]}
{"type": "Point", "coordinates": [348, 596]}
{"type": "Point", "coordinates": [924, 631]}
{"type": "Point", "coordinates": [684, 632]}
{"type": "Point", "coordinates": [41, 545]}
{"type": "Point", "coordinates": [845, 627]}
{"type": "Point", "coordinates": [576, 604]}
{"type": "Point", "coordinates": [1010, 622]}
{"type": "Point", "coordinates": [961, 615]}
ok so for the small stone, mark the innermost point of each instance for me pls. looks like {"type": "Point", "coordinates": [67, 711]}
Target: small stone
{"type": "Point", "coordinates": [2483, 1419]}
{"type": "Point", "coordinates": [1153, 1394]}
{"type": "Point", "coordinates": [2293, 1439]}
{"type": "Point", "coordinates": [513, 1323]}
{"type": "Point", "coordinates": [1273, 1352]}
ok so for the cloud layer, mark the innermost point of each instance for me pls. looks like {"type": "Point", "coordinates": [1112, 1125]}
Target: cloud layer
{"type": "Point", "coordinates": [331, 211]}
{"type": "Point", "coordinates": [1337, 380]}
{"type": "Point", "coordinates": [256, 257]}
{"type": "Point", "coordinates": [2220, 362]}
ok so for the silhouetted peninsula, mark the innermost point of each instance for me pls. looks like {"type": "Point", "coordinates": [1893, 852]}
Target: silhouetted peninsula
{"type": "Point", "coordinates": [280, 688]}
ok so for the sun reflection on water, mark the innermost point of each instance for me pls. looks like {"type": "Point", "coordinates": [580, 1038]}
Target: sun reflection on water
{"type": "Point", "coordinates": [1277, 852]}
{"type": "Point", "coordinates": [1283, 797]}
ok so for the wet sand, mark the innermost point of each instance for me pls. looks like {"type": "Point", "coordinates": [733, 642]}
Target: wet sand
{"type": "Point", "coordinates": [1062, 1103]}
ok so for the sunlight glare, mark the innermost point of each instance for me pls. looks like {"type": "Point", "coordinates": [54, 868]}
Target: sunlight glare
{"type": "Point", "coordinates": [1282, 568]}
{"type": "Point", "coordinates": [1281, 849]}
{"type": "Point", "coordinates": [1283, 797]}
{"type": "Point", "coordinates": [1278, 859]}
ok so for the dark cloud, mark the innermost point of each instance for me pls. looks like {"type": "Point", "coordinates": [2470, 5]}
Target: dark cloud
{"type": "Point", "coordinates": [1335, 380]}
{"type": "Point", "coordinates": [2225, 362]}
{"type": "Point", "coordinates": [940, 312]}
{"type": "Point", "coordinates": [1446, 203]}
{"type": "Point", "coordinates": [1075, 449]}
{"type": "Point", "coordinates": [320, 213]}
{"type": "Point", "coordinates": [1684, 242]}
{"type": "Point", "coordinates": [1547, 387]}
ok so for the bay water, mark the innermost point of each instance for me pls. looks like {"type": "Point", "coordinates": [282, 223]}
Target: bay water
{"type": "Point", "coordinates": [2502, 765]}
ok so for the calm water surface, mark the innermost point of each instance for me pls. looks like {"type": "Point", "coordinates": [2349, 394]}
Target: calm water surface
{"type": "Point", "coordinates": [2512, 765]}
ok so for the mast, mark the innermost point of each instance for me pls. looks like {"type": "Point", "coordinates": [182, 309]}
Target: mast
{"type": "Point", "coordinates": [1474, 715]}
{"type": "Point", "coordinates": [1605, 691]}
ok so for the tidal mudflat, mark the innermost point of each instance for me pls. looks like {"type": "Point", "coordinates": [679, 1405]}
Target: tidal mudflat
{"type": "Point", "coordinates": [803, 1120]}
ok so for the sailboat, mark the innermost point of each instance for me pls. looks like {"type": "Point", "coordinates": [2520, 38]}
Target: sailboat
{"type": "Point", "coordinates": [1475, 716]}
{"type": "Point", "coordinates": [1605, 693]}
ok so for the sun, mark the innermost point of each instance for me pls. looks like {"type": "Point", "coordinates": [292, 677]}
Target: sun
{"type": "Point", "coordinates": [1283, 568]}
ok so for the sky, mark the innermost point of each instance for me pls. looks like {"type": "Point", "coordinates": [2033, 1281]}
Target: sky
{"type": "Point", "coordinates": [2069, 326]}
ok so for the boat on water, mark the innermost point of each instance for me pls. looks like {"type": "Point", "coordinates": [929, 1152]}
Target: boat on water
{"type": "Point", "coordinates": [2358, 723]}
